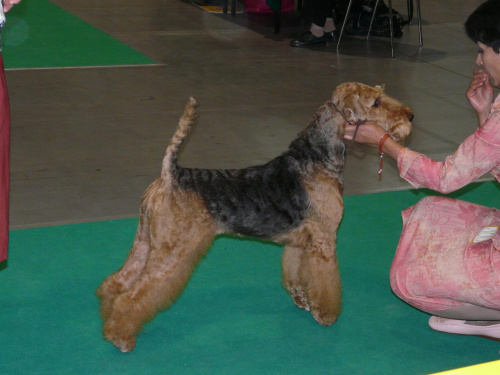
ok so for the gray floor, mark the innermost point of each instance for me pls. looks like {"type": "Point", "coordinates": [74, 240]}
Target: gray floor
{"type": "Point", "coordinates": [86, 142]}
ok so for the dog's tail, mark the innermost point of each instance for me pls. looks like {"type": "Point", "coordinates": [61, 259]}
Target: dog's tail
{"type": "Point", "coordinates": [186, 122]}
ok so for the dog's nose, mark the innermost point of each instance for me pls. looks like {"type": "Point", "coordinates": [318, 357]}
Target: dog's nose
{"type": "Point", "coordinates": [410, 117]}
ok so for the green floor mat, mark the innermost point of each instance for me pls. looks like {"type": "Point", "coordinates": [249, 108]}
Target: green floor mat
{"type": "Point", "coordinates": [234, 317]}
{"type": "Point", "coordinates": [39, 34]}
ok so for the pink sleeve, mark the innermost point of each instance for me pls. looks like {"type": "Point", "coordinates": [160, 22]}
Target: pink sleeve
{"type": "Point", "coordinates": [477, 155]}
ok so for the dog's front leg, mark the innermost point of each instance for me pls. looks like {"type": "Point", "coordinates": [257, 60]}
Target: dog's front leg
{"type": "Point", "coordinates": [292, 261]}
{"type": "Point", "coordinates": [310, 272]}
{"type": "Point", "coordinates": [324, 287]}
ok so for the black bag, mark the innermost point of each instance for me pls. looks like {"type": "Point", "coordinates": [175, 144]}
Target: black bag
{"type": "Point", "coordinates": [381, 25]}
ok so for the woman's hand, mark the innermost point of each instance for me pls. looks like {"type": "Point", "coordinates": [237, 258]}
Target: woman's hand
{"type": "Point", "coordinates": [371, 134]}
{"type": "Point", "coordinates": [480, 94]}
{"type": "Point", "coordinates": [368, 133]}
{"type": "Point", "coordinates": [8, 4]}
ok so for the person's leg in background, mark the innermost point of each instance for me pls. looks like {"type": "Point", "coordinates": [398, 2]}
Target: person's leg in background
{"type": "Point", "coordinates": [320, 14]}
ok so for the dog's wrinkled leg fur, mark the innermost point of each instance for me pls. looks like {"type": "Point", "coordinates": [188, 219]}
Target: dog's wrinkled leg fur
{"type": "Point", "coordinates": [293, 260]}
{"type": "Point", "coordinates": [319, 243]}
{"type": "Point", "coordinates": [124, 279]}
{"type": "Point", "coordinates": [324, 289]}
{"type": "Point", "coordinates": [172, 258]}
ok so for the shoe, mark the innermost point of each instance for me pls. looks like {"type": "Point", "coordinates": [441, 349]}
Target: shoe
{"type": "Point", "coordinates": [308, 40]}
{"type": "Point", "coordinates": [460, 327]}
{"type": "Point", "coordinates": [332, 35]}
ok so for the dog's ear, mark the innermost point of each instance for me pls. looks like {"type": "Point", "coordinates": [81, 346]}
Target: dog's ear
{"type": "Point", "coordinates": [347, 99]}
{"type": "Point", "coordinates": [380, 88]}
{"type": "Point", "coordinates": [352, 108]}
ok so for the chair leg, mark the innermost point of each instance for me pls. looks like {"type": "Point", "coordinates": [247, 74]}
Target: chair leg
{"type": "Point", "coordinates": [420, 38]}
{"type": "Point", "coordinates": [391, 27]}
{"type": "Point", "coordinates": [391, 24]}
{"type": "Point", "coordinates": [344, 23]}
{"type": "Point", "coordinates": [371, 21]}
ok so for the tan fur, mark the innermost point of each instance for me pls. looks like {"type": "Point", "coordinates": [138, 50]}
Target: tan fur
{"type": "Point", "coordinates": [176, 229]}
{"type": "Point", "coordinates": [356, 101]}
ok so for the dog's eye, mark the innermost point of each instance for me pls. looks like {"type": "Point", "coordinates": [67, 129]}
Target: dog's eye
{"type": "Point", "coordinates": [376, 103]}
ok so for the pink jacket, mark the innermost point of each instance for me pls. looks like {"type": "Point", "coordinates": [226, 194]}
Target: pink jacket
{"type": "Point", "coordinates": [477, 155]}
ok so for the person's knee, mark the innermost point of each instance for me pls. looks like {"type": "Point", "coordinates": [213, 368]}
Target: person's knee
{"type": "Point", "coordinates": [404, 287]}
{"type": "Point", "coordinates": [398, 284]}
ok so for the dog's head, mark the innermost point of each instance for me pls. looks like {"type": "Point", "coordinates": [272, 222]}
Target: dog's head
{"type": "Point", "coordinates": [359, 102]}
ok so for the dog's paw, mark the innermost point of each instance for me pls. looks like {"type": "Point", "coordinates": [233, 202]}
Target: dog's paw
{"type": "Point", "coordinates": [118, 339]}
{"type": "Point", "coordinates": [325, 318]}
{"type": "Point", "coordinates": [125, 345]}
{"type": "Point", "coordinates": [327, 312]}
{"type": "Point", "coordinates": [299, 296]}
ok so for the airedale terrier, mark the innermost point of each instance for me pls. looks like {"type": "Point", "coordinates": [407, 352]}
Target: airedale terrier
{"type": "Point", "coordinates": [295, 200]}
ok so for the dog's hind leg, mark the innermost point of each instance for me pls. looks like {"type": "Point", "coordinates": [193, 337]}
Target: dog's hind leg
{"type": "Point", "coordinates": [122, 280]}
{"type": "Point", "coordinates": [166, 273]}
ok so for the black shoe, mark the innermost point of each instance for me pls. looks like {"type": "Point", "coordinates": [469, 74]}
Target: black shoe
{"type": "Point", "coordinates": [332, 35]}
{"type": "Point", "coordinates": [309, 40]}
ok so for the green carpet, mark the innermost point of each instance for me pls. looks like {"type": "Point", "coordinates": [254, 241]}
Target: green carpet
{"type": "Point", "coordinates": [234, 317]}
{"type": "Point", "coordinates": [39, 34]}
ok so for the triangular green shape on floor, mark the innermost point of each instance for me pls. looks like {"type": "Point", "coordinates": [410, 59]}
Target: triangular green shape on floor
{"type": "Point", "coordinates": [39, 34]}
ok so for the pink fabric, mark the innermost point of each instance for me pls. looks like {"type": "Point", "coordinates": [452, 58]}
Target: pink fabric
{"type": "Point", "coordinates": [260, 6]}
{"type": "Point", "coordinates": [477, 155]}
{"type": "Point", "coordinates": [4, 164]}
{"type": "Point", "coordinates": [436, 266]}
